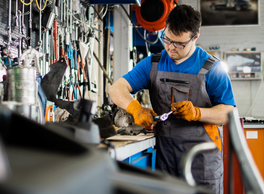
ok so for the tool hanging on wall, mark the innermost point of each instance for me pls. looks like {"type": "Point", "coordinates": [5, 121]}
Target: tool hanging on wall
{"type": "Point", "coordinates": [9, 30]}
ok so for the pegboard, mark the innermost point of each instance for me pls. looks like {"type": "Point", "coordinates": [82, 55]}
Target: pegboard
{"type": "Point", "coordinates": [4, 8]}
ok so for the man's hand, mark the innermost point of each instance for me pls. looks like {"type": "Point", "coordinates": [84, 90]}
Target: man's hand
{"type": "Point", "coordinates": [142, 116]}
{"type": "Point", "coordinates": [186, 110]}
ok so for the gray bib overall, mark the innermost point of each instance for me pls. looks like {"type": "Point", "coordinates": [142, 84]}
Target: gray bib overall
{"type": "Point", "coordinates": [175, 137]}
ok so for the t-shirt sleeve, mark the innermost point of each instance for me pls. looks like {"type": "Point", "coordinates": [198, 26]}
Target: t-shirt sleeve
{"type": "Point", "coordinates": [138, 77]}
{"type": "Point", "coordinates": [219, 86]}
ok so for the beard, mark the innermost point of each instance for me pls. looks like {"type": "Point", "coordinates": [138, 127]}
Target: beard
{"type": "Point", "coordinates": [176, 56]}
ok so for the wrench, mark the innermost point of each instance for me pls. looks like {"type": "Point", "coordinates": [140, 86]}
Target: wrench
{"type": "Point", "coordinates": [162, 117]}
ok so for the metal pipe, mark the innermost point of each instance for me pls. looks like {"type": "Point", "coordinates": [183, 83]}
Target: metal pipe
{"type": "Point", "coordinates": [102, 67]}
{"type": "Point", "coordinates": [40, 33]}
{"type": "Point", "coordinates": [9, 25]}
{"type": "Point", "coordinates": [30, 23]}
{"type": "Point", "coordinates": [20, 34]}
{"type": "Point", "coordinates": [16, 15]}
{"type": "Point", "coordinates": [71, 17]}
{"type": "Point", "coordinates": [43, 66]}
{"type": "Point", "coordinates": [23, 17]}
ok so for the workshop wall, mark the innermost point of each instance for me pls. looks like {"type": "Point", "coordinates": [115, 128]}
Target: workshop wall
{"type": "Point", "coordinates": [96, 72]}
{"type": "Point", "coordinates": [249, 95]}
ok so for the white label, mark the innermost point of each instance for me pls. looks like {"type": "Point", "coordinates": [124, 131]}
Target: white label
{"type": "Point", "coordinates": [252, 134]}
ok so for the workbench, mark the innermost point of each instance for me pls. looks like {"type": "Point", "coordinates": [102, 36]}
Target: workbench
{"type": "Point", "coordinates": [136, 150]}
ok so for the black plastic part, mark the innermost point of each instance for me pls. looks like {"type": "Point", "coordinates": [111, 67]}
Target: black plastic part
{"type": "Point", "coordinates": [19, 130]}
{"type": "Point", "coordinates": [86, 107]}
{"type": "Point", "coordinates": [105, 126]}
{"type": "Point", "coordinates": [157, 118]}
{"type": "Point", "coordinates": [152, 10]}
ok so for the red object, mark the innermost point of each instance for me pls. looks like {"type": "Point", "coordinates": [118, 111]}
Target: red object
{"type": "Point", "coordinates": [56, 40]}
{"type": "Point", "coordinates": [145, 16]}
{"type": "Point", "coordinates": [236, 183]}
{"type": "Point", "coordinates": [82, 62]}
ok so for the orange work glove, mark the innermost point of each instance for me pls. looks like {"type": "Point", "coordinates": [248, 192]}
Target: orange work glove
{"type": "Point", "coordinates": [142, 116]}
{"type": "Point", "coordinates": [186, 110]}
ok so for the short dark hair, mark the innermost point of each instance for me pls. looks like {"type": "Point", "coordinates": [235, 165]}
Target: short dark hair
{"type": "Point", "coordinates": [184, 18]}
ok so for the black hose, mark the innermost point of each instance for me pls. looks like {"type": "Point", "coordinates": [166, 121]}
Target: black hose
{"type": "Point", "coordinates": [154, 42]}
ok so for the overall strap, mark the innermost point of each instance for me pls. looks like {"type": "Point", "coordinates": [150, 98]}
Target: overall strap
{"type": "Point", "coordinates": [155, 61]}
{"type": "Point", "coordinates": [208, 65]}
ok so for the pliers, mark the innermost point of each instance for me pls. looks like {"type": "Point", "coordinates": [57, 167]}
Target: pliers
{"type": "Point", "coordinates": [162, 117]}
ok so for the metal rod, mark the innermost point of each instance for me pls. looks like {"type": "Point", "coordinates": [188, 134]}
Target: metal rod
{"type": "Point", "coordinates": [23, 18]}
{"type": "Point", "coordinates": [102, 67]}
{"type": "Point", "coordinates": [40, 33]}
{"type": "Point", "coordinates": [16, 15]}
{"type": "Point", "coordinates": [71, 17]}
{"type": "Point", "coordinates": [30, 23]}
{"type": "Point", "coordinates": [20, 36]}
{"type": "Point", "coordinates": [9, 25]}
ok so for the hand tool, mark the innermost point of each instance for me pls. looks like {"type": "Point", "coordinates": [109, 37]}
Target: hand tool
{"type": "Point", "coordinates": [51, 47]}
{"type": "Point", "coordinates": [16, 14]}
{"type": "Point", "coordinates": [30, 22]}
{"type": "Point", "coordinates": [20, 37]}
{"type": "Point", "coordinates": [43, 67]}
{"type": "Point", "coordinates": [40, 24]}
{"type": "Point", "coordinates": [162, 117]}
{"type": "Point", "coordinates": [9, 28]}
{"type": "Point", "coordinates": [89, 58]}
{"type": "Point", "coordinates": [56, 40]}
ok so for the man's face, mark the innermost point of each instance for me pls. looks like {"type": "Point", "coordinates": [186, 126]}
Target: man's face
{"type": "Point", "coordinates": [176, 54]}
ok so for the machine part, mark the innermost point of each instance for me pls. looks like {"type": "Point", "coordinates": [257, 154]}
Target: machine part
{"type": "Point", "coordinates": [186, 162]}
{"type": "Point", "coordinates": [163, 117]}
{"type": "Point", "coordinates": [22, 88]}
{"type": "Point", "coordinates": [87, 131]}
{"type": "Point", "coordinates": [123, 119]}
{"type": "Point", "coordinates": [152, 14]}
{"type": "Point", "coordinates": [61, 115]}
{"type": "Point", "coordinates": [22, 85]}
{"type": "Point", "coordinates": [30, 111]}
{"type": "Point", "coordinates": [29, 55]}
{"type": "Point", "coordinates": [125, 123]}
{"type": "Point", "coordinates": [71, 107]}
{"type": "Point", "coordinates": [105, 126]}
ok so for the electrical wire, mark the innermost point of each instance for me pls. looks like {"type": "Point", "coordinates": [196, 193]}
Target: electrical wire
{"type": "Point", "coordinates": [76, 17]}
{"type": "Point", "coordinates": [154, 42]}
{"type": "Point", "coordinates": [98, 14]}
{"type": "Point", "coordinates": [26, 3]}
{"type": "Point", "coordinates": [254, 99]}
{"type": "Point", "coordinates": [41, 9]}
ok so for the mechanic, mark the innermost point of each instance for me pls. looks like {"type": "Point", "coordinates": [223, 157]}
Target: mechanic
{"type": "Point", "coordinates": [193, 84]}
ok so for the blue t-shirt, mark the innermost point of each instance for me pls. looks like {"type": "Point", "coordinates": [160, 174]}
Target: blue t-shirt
{"type": "Point", "coordinates": [218, 84]}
